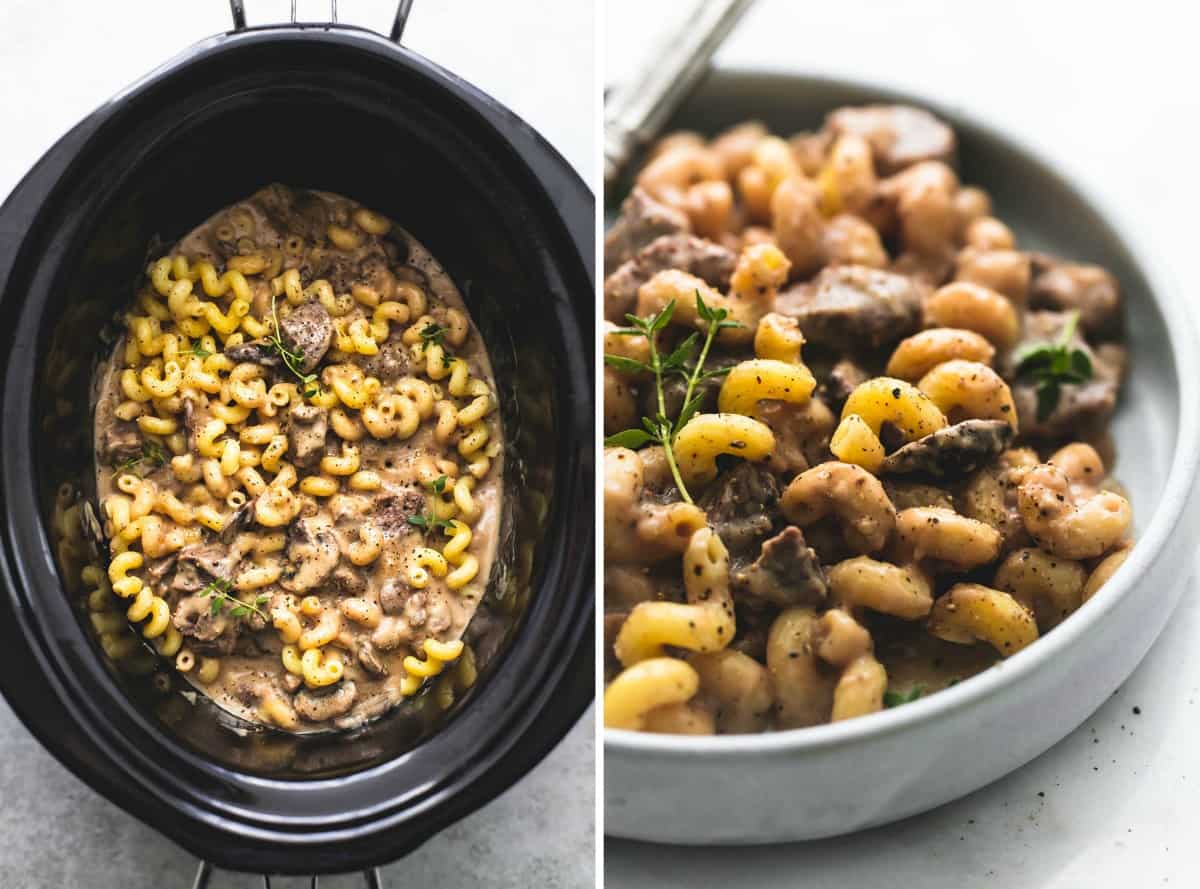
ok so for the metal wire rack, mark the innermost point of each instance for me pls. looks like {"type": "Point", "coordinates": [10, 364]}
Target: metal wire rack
{"type": "Point", "coordinates": [371, 878]}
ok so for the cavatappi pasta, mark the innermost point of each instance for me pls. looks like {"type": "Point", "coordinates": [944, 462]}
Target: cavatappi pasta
{"type": "Point", "coordinates": [299, 465]}
{"type": "Point", "coordinates": [892, 469]}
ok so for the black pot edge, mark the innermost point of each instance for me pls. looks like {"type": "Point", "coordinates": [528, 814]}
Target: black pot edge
{"type": "Point", "coordinates": [572, 202]}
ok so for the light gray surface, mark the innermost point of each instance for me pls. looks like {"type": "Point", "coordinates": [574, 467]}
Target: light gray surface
{"type": "Point", "coordinates": [1112, 87]}
{"type": "Point", "coordinates": [57, 833]}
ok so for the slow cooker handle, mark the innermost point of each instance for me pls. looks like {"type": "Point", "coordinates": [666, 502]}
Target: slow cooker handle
{"type": "Point", "coordinates": [237, 8]}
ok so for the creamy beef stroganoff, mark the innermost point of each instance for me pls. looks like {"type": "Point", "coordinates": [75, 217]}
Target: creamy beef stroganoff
{"type": "Point", "coordinates": [299, 462]}
{"type": "Point", "coordinates": [858, 442]}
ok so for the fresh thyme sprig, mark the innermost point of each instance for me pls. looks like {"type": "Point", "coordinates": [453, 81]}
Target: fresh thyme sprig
{"type": "Point", "coordinates": [1050, 366]}
{"type": "Point", "coordinates": [219, 591]}
{"type": "Point", "coordinates": [292, 359]}
{"type": "Point", "coordinates": [152, 453]}
{"type": "Point", "coordinates": [427, 522]}
{"type": "Point", "coordinates": [660, 429]}
{"type": "Point", "coordinates": [435, 334]}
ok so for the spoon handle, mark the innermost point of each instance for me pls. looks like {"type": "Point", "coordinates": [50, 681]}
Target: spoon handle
{"type": "Point", "coordinates": [636, 110]}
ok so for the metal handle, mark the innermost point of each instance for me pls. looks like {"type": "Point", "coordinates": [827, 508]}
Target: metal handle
{"type": "Point", "coordinates": [637, 109]}
{"type": "Point", "coordinates": [237, 9]}
{"type": "Point", "coordinates": [371, 878]}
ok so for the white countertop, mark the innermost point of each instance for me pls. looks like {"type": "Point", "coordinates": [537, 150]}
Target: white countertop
{"type": "Point", "coordinates": [59, 59]}
{"type": "Point", "coordinates": [1118, 93]}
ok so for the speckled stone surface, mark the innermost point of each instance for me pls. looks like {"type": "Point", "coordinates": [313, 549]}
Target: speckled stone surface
{"type": "Point", "coordinates": [55, 833]}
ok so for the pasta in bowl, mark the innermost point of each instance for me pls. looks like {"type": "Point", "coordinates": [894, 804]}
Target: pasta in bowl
{"type": "Point", "coordinates": [928, 480]}
{"type": "Point", "coordinates": [879, 562]}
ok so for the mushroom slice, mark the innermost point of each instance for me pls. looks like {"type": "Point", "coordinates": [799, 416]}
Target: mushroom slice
{"type": "Point", "coordinates": [318, 706]}
{"type": "Point", "coordinates": [952, 450]}
{"type": "Point", "coordinates": [313, 553]}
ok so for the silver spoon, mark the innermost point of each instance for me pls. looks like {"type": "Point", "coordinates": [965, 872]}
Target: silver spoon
{"type": "Point", "coordinates": [636, 110]}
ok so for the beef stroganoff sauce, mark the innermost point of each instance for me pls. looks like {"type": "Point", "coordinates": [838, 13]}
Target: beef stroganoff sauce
{"type": "Point", "coordinates": [857, 439]}
{"type": "Point", "coordinates": [299, 462]}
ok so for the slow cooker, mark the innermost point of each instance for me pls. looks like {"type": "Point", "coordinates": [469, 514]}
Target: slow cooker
{"type": "Point", "coordinates": [345, 110]}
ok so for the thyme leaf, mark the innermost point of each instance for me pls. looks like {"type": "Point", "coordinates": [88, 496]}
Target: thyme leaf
{"type": "Point", "coordinates": [152, 454]}
{"type": "Point", "coordinates": [292, 359]}
{"type": "Point", "coordinates": [895, 699]}
{"type": "Point", "coordinates": [1050, 366]}
{"type": "Point", "coordinates": [219, 591]}
{"type": "Point", "coordinates": [427, 522]}
{"type": "Point", "coordinates": [681, 361]}
{"type": "Point", "coordinates": [434, 334]}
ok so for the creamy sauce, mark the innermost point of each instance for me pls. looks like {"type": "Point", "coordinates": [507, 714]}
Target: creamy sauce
{"type": "Point", "coordinates": [312, 546]}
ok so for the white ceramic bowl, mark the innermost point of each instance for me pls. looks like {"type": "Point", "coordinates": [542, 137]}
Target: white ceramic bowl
{"type": "Point", "coordinates": [838, 778]}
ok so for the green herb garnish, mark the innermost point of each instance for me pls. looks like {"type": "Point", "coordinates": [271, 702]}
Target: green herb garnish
{"type": "Point", "coordinates": [438, 485]}
{"type": "Point", "coordinates": [434, 334]}
{"type": "Point", "coordinates": [1050, 366]}
{"type": "Point", "coordinates": [292, 359]}
{"type": "Point", "coordinates": [152, 454]}
{"type": "Point", "coordinates": [895, 699]}
{"type": "Point", "coordinates": [659, 429]}
{"type": "Point", "coordinates": [219, 591]}
{"type": "Point", "coordinates": [428, 523]}
{"type": "Point", "coordinates": [198, 350]}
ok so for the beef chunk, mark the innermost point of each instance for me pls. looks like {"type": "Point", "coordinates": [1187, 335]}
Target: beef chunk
{"type": "Point", "coordinates": [348, 581]}
{"type": "Point", "coordinates": [1084, 409]}
{"type": "Point", "coordinates": [854, 308]}
{"type": "Point", "coordinates": [370, 660]}
{"type": "Point", "coordinates": [786, 573]}
{"type": "Point", "coordinates": [951, 451]}
{"type": "Point", "coordinates": [741, 505]}
{"type": "Point", "coordinates": [188, 578]}
{"type": "Point", "coordinates": [391, 361]}
{"type": "Point", "coordinates": [900, 135]}
{"type": "Point", "coordinates": [256, 352]}
{"type": "Point", "coordinates": [394, 595]}
{"type": "Point", "coordinates": [642, 220]}
{"type": "Point", "coordinates": [312, 553]}
{"type": "Point", "coordinates": [802, 433]}
{"type": "Point", "coordinates": [306, 429]}
{"type": "Point", "coordinates": [157, 569]}
{"type": "Point", "coordinates": [207, 633]}
{"type": "Point", "coordinates": [309, 331]}
{"type": "Point", "coordinates": [121, 442]}
{"type": "Point", "coordinates": [713, 263]}
{"type": "Point", "coordinates": [339, 269]}
{"type": "Point", "coordinates": [930, 269]}
{"type": "Point", "coordinates": [391, 512]}
{"type": "Point", "coordinates": [1088, 289]}
{"type": "Point", "coordinates": [843, 379]}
